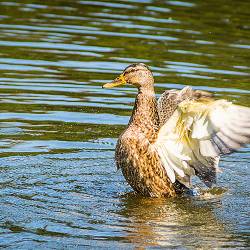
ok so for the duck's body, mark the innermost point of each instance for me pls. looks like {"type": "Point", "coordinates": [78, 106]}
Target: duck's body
{"type": "Point", "coordinates": [169, 140]}
{"type": "Point", "coordinates": [135, 155]}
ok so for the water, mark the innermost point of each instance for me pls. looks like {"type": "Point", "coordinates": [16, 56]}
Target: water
{"type": "Point", "coordinates": [59, 187]}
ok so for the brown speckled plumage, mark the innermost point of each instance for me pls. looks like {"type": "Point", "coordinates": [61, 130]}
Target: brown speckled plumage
{"type": "Point", "coordinates": [135, 154]}
{"type": "Point", "coordinates": [139, 153]}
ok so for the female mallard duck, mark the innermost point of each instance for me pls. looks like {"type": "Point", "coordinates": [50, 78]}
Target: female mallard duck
{"type": "Point", "coordinates": [182, 135]}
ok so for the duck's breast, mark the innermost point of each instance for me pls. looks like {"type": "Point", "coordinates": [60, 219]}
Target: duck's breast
{"type": "Point", "coordinates": [141, 165]}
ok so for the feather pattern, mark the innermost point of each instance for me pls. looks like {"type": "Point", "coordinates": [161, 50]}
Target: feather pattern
{"type": "Point", "coordinates": [199, 131]}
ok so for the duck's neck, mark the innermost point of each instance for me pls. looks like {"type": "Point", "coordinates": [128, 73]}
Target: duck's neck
{"type": "Point", "coordinates": [145, 114]}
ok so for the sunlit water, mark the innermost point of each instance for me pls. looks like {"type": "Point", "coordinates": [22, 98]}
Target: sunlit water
{"type": "Point", "coordinates": [59, 187]}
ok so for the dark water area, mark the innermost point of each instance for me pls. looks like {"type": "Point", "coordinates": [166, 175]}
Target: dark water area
{"type": "Point", "coordinates": [59, 187]}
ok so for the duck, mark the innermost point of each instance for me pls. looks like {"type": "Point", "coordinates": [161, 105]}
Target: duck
{"type": "Point", "coordinates": [181, 135]}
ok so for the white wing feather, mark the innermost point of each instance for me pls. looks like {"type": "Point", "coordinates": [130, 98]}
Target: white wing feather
{"type": "Point", "coordinates": [197, 133]}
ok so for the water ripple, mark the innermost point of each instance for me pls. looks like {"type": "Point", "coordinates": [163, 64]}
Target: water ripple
{"type": "Point", "coordinates": [59, 187]}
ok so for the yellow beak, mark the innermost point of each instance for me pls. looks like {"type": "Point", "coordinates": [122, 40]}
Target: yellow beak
{"type": "Point", "coordinates": [120, 80]}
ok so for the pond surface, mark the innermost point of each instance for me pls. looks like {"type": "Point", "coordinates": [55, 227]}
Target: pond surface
{"type": "Point", "coordinates": [59, 187]}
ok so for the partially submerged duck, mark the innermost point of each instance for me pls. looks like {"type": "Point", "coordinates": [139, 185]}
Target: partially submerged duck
{"type": "Point", "coordinates": [181, 135]}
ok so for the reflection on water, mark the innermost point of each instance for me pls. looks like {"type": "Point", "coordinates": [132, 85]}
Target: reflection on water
{"type": "Point", "coordinates": [59, 186]}
{"type": "Point", "coordinates": [172, 223]}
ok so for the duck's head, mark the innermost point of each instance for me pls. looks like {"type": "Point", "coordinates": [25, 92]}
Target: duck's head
{"type": "Point", "coordinates": [137, 74]}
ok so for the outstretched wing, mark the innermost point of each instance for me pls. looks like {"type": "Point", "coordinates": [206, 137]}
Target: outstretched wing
{"type": "Point", "coordinates": [199, 130]}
